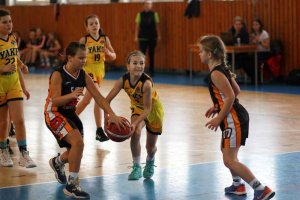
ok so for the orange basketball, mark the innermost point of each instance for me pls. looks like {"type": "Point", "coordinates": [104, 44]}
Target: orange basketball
{"type": "Point", "coordinates": [118, 135]}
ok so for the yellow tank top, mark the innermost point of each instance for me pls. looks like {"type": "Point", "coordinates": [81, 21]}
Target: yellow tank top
{"type": "Point", "coordinates": [9, 55]}
{"type": "Point", "coordinates": [95, 52]}
{"type": "Point", "coordinates": [135, 92]}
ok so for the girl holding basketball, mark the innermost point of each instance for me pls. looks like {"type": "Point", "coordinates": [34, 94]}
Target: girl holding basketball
{"type": "Point", "coordinates": [65, 86]}
{"type": "Point", "coordinates": [146, 110]}
{"type": "Point", "coordinates": [232, 117]}
{"type": "Point", "coordinates": [99, 49]}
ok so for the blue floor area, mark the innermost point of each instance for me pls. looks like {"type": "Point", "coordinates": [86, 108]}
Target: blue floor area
{"type": "Point", "coordinates": [194, 182]}
{"type": "Point", "coordinates": [197, 80]}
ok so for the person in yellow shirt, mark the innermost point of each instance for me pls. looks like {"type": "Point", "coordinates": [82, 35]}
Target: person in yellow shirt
{"type": "Point", "coordinates": [147, 110]}
{"type": "Point", "coordinates": [99, 49]}
{"type": "Point", "coordinates": [12, 87]}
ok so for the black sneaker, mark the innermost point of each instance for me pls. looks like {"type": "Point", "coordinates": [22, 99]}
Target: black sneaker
{"type": "Point", "coordinates": [11, 152]}
{"type": "Point", "coordinates": [74, 190]}
{"type": "Point", "coordinates": [100, 135]}
{"type": "Point", "coordinates": [59, 171]}
{"type": "Point", "coordinates": [12, 131]}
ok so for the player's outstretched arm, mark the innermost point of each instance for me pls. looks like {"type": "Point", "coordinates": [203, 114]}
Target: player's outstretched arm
{"type": "Point", "coordinates": [115, 90]}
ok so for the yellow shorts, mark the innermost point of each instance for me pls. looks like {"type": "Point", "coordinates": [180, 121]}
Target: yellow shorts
{"type": "Point", "coordinates": [10, 89]}
{"type": "Point", "coordinates": [96, 72]}
{"type": "Point", "coordinates": [154, 120]}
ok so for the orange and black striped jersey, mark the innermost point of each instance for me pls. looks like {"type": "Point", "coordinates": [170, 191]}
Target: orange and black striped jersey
{"type": "Point", "coordinates": [135, 92]}
{"type": "Point", "coordinates": [235, 125]}
{"type": "Point", "coordinates": [9, 52]}
{"type": "Point", "coordinates": [68, 85]}
{"type": "Point", "coordinates": [95, 49]}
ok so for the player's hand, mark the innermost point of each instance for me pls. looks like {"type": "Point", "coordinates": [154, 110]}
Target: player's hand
{"type": "Point", "coordinates": [9, 68]}
{"type": "Point", "coordinates": [210, 112]}
{"type": "Point", "coordinates": [27, 94]}
{"type": "Point", "coordinates": [119, 121]}
{"type": "Point", "coordinates": [213, 124]}
{"type": "Point", "coordinates": [77, 93]}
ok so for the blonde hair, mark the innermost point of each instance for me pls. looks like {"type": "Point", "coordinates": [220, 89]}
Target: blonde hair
{"type": "Point", "coordinates": [215, 45]}
{"type": "Point", "coordinates": [134, 53]}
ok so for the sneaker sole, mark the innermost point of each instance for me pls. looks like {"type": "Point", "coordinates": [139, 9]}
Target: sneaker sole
{"type": "Point", "coordinates": [7, 165]}
{"type": "Point", "coordinates": [269, 196]}
{"type": "Point", "coordinates": [66, 192]}
{"type": "Point", "coordinates": [237, 193]}
{"type": "Point", "coordinates": [28, 166]}
{"type": "Point", "coordinates": [56, 175]}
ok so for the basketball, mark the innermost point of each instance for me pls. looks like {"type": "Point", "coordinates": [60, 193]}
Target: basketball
{"type": "Point", "coordinates": [118, 135]}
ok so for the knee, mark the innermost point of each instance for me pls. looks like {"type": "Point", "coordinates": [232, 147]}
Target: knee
{"type": "Point", "coordinates": [78, 143]}
{"type": "Point", "coordinates": [228, 162]}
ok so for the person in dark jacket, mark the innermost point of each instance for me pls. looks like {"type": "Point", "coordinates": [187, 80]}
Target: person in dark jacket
{"type": "Point", "coordinates": [147, 32]}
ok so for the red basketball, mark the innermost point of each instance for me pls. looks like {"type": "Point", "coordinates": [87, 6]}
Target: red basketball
{"type": "Point", "coordinates": [118, 135]}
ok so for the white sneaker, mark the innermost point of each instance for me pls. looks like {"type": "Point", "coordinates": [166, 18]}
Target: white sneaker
{"type": "Point", "coordinates": [5, 159]}
{"type": "Point", "coordinates": [25, 160]}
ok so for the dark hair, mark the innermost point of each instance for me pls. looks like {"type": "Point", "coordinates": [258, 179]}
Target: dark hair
{"type": "Point", "coordinates": [90, 17]}
{"type": "Point", "coordinates": [73, 47]}
{"type": "Point", "coordinates": [134, 53]}
{"type": "Point", "coordinates": [4, 12]}
{"type": "Point", "coordinates": [261, 26]}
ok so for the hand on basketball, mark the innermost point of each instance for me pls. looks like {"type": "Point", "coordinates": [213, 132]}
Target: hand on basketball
{"type": "Point", "coordinates": [210, 112]}
{"type": "Point", "coordinates": [119, 121]}
{"type": "Point", "coordinates": [213, 124]}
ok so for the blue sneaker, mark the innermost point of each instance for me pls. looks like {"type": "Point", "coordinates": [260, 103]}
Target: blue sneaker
{"type": "Point", "coordinates": [136, 172]}
{"type": "Point", "coordinates": [237, 190]}
{"type": "Point", "coordinates": [149, 169]}
{"type": "Point", "coordinates": [265, 194]}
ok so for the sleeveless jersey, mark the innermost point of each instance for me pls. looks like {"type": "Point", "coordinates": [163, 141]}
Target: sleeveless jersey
{"type": "Point", "coordinates": [235, 126]}
{"type": "Point", "coordinates": [135, 92]}
{"type": "Point", "coordinates": [95, 50]}
{"type": "Point", "coordinates": [9, 55]}
{"type": "Point", "coordinates": [69, 84]}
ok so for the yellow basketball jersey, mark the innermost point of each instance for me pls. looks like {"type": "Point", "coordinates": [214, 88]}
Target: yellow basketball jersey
{"type": "Point", "coordinates": [135, 92]}
{"type": "Point", "coordinates": [9, 55]}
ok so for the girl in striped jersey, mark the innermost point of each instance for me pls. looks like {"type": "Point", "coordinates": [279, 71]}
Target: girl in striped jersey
{"type": "Point", "coordinates": [232, 117]}
{"type": "Point", "coordinates": [99, 49]}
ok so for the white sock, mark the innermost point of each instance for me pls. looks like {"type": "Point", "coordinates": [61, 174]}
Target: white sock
{"type": "Point", "coordinates": [256, 185]}
{"type": "Point", "coordinates": [58, 160]}
{"type": "Point", "coordinates": [73, 175]}
{"type": "Point", "coordinates": [137, 160]}
{"type": "Point", "coordinates": [236, 180]}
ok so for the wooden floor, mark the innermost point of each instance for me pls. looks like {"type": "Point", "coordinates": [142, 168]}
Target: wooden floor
{"type": "Point", "coordinates": [274, 129]}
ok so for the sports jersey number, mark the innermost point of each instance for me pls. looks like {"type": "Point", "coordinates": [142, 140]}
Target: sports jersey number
{"type": "Point", "coordinates": [97, 57]}
{"type": "Point", "coordinates": [10, 61]}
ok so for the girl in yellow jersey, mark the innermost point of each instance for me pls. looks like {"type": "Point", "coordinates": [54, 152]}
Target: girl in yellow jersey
{"type": "Point", "coordinates": [146, 110]}
{"type": "Point", "coordinates": [12, 87]}
{"type": "Point", "coordinates": [99, 49]}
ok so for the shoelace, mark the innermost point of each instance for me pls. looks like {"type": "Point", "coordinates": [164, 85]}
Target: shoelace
{"type": "Point", "coordinates": [60, 169]}
{"type": "Point", "coordinates": [149, 165]}
{"type": "Point", "coordinates": [76, 184]}
{"type": "Point", "coordinates": [5, 155]}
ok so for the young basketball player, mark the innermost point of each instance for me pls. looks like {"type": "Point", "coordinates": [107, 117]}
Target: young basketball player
{"type": "Point", "coordinates": [146, 110]}
{"type": "Point", "coordinates": [12, 87]}
{"type": "Point", "coordinates": [99, 49]}
{"type": "Point", "coordinates": [232, 117]}
{"type": "Point", "coordinates": [65, 86]}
